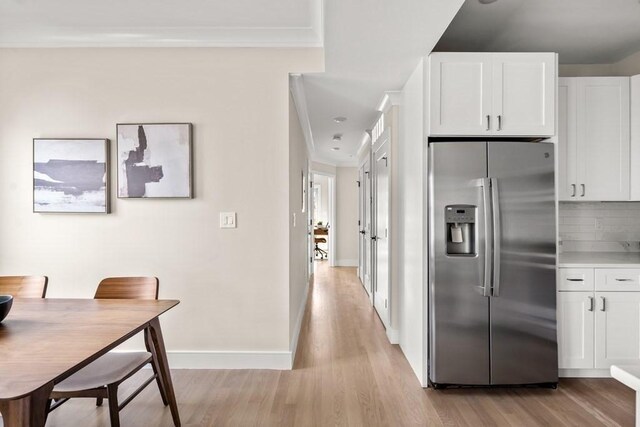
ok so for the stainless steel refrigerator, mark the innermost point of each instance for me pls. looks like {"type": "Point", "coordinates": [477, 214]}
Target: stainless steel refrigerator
{"type": "Point", "coordinates": [492, 264]}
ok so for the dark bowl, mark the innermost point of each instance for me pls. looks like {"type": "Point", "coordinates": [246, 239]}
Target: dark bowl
{"type": "Point", "coordinates": [5, 306]}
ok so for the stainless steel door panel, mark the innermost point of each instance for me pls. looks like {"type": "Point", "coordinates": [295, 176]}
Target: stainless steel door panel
{"type": "Point", "coordinates": [458, 313]}
{"type": "Point", "coordinates": [523, 314]}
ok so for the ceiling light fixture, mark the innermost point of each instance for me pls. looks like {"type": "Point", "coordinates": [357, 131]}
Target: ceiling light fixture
{"type": "Point", "coordinates": [339, 119]}
{"type": "Point", "coordinates": [487, 1]}
{"type": "Point", "coordinates": [337, 137]}
{"type": "Point", "coordinates": [336, 148]}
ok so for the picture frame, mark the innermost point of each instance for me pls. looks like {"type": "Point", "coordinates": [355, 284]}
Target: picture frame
{"type": "Point", "coordinates": [154, 160]}
{"type": "Point", "coordinates": [71, 175]}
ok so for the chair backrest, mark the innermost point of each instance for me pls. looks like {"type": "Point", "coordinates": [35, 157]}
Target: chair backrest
{"type": "Point", "coordinates": [24, 286]}
{"type": "Point", "coordinates": [128, 288]}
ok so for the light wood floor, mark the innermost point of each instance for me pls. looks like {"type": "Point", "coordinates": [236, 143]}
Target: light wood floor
{"type": "Point", "coordinates": [347, 374]}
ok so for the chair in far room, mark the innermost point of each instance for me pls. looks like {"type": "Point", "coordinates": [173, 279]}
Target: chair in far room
{"type": "Point", "coordinates": [101, 378]}
{"type": "Point", "coordinates": [24, 286]}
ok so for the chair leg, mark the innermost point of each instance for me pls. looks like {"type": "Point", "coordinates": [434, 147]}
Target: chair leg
{"type": "Point", "coordinates": [99, 401]}
{"type": "Point", "coordinates": [112, 396]}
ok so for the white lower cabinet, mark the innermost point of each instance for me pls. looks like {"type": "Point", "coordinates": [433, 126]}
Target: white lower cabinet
{"type": "Point", "coordinates": [617, 331]}
{"type": "Point", "coordinates": [597, 329]}
{"type": "Point", "coordinates": [575, 330]}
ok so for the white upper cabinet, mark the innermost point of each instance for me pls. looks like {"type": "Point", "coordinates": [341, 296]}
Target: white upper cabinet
{"type": "Point", "coordinates": [460, 94]}
{"type": "Point", "coordinates": [635, 138]}
{"type": "Point", "coordinates": [524, 90]}
{"type": "Point", "coordinates": [492, 94]}
{"type": "Point", "coordinates": [593, 138]}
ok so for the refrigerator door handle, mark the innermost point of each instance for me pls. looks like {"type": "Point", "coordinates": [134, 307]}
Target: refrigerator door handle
{"type": "Point", "coordinates": [497, 237]}
{"type": "Point", "coordinates": [488, 235]}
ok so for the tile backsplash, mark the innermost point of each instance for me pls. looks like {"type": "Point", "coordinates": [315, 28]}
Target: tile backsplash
{"type": "Point", "coordinates": [599, 226]}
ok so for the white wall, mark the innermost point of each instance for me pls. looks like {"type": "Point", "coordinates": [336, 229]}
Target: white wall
{"type": "Point", "coordinates": [234, 283]}
{"type": "Point", "coordinates": [411, 169]}
{"type": "Point", "coordinates": [347, 217]}
{"type": "Point", "coordinates": [628, 66]}
{"type": "Point", "coordinates": [298, 225]}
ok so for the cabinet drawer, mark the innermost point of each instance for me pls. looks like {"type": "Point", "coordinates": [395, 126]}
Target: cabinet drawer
{"type": "Point", "coordinates": [618, 279]}
{"type": "Point", "coordinates": [575, 279]}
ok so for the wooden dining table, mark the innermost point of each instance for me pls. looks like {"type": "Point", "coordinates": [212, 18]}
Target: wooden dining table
{"type": "Point", "coordinates": [44, 341]}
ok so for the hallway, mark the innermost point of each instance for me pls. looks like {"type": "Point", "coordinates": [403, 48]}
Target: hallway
{"type": "Point", "coordinates": [347, 374]}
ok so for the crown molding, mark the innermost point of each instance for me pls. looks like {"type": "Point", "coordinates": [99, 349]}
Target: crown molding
{"type": "Point", "coordinates": [389, 99]}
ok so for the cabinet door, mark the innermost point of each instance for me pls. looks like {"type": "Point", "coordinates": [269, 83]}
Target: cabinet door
{"type": "Point", "coordinates": [575, 330]}
{"type": "Point", "coordinates": [460, 101]}
{"type": "Point", "coordinates": [603, 138]}
{"type": "Point", "coordinates": [567, 142]}
{"type": "Point", "coordinates": [635, 138]}
{"type": "Point", "coordinates": [524, 94]}
{"type": "Point", "coordinates": [617, 328]}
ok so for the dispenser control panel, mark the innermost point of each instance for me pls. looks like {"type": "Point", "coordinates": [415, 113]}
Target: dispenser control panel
{"type": "Point", "coordinates": [461, 230]}
{"type": "Point", "coordinates": [460, 214]}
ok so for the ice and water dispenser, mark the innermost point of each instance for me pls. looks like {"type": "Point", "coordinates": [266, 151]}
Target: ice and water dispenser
{"type": "Point", "coordinates": [461, 230]}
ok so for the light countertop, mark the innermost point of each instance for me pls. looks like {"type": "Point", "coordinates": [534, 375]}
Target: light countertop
{"type": "Point", "coordinates": [599, 259]}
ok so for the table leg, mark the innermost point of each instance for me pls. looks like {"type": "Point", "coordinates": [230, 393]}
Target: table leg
{"type": "Point", "coordinates": [638, 408]}
{"type": "Point", "coordinates": [163, 367]}
{"type": "Point", "coordinates": [30, 411]}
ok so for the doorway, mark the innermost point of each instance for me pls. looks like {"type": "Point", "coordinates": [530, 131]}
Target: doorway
{"type": "Point", "coordinates": [381, 249]}
{"type": "Point", "coordinates": [365, 222]}
{"type": "Point", "coordinates": [323, 214]}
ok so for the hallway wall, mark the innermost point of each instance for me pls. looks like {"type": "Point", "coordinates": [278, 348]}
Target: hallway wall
{"type": "Point", "coordinates": [233, 283]}
{"type": "Point", "coordinates": [298, 225]}
{"type": "Point", "coordinates": [347, 216]}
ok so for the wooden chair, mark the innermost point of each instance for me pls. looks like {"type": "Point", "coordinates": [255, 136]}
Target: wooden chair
{"type": "Point", "coordinates": [101, 378]}
{"type": "Point", "coordinates": [24, 286]}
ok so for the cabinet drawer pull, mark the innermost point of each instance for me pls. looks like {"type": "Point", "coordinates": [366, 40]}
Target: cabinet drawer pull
{"type": "Point", "coordinates": [573, 190]}
{"type": "Point", "coordinates": [624, 280]}
{"type": "Point", "coordinates": [575, 280]}
{"type": "Point", "coordinates": [583, 190]}
{"type": "Point", "coordinates": [590, 304]}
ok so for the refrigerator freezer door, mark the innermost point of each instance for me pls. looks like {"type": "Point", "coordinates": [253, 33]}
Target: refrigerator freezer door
{"type": "Point", "coordinates": [458, 312]}
{"type": "Point", "coordinates": [523, 314]}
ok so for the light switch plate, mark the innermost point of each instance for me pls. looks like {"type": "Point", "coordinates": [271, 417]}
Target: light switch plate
{"type": "Point", "coordinates": [228, 220]}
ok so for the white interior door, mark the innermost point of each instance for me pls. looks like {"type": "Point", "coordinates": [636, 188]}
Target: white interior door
{"type": "Point", "coordinates": [368, 223]}
{"type": "Point", "coordinates": [382, 249]}
{"type": "Point", "coordinates": [576, 330]}
{"type": "Point", "coordinates": [361, 244]}
{"type": "Point", "coordinates": [310, 204]}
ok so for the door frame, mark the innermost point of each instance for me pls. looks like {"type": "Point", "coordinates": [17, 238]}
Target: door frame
{"type": "Point", "coordinates": [331, 211]}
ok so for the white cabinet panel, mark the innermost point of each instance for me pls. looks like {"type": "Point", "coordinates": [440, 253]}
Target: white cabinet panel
{"type": "Point", "coordinates": [635, 138]}
{"type": "Point", "coordinates": [603, 138]}
{"type": "Point", "coordinates": [617, 279]}
{"type": "Point", "coordinates": [567, 142]}
{"type": "Point", "coordinates": [575, 330]}
{"type": "Point", "coordinates": [617, 329]}
{"type": "Point", "coordinates": [524, 94]}
{"type": "Point", "coordinates": [460, 94]}
{"type": "Point", "coordinates": [576, 279]}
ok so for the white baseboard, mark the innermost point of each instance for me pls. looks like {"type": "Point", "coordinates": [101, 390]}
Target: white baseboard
{"type": "Point", "coordinates": [296, 332]}
{"type": "Point", "coordinates": [393, 335]}
{"type": "Point", "coordinates": [279, 360]}
{"type": "Point", "coordinates": [347, 263]}
{"type": "Point", "coordinates": [584, 373]}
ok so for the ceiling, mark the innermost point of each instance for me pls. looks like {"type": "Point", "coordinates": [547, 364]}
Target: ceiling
{"type": "Point", "coordinates": [371, 46]}
{"type": "Point", "coordinates": [46, 23]}
{"type": "Point", "coordinates": [581, 31]}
